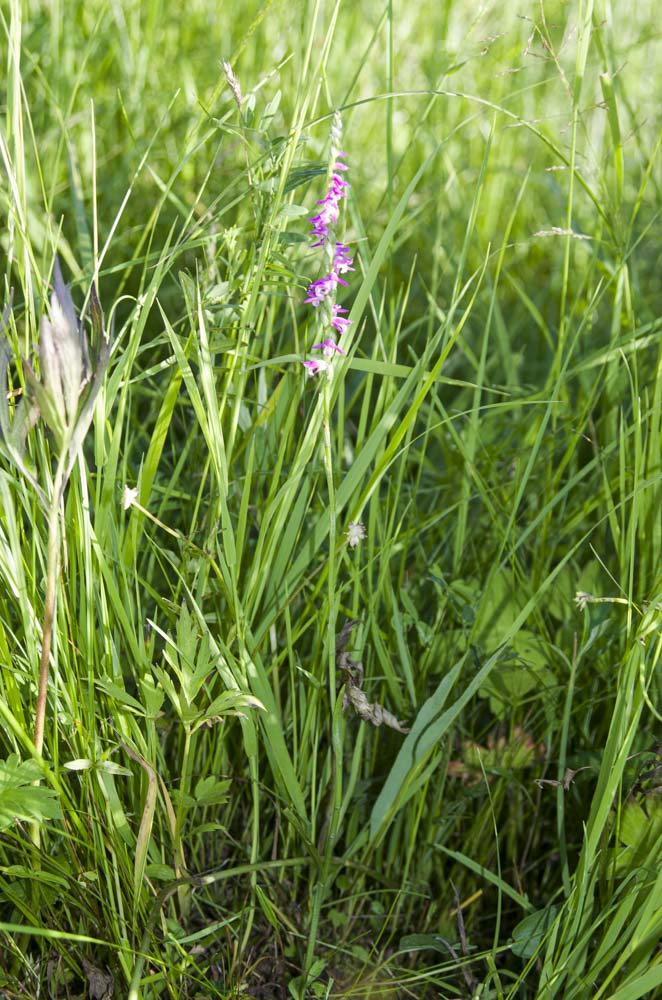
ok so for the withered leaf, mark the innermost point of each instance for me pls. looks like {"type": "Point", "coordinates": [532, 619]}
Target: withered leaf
{"type": "Point", "coordinates": [372, 712]}
{"type": "Point", "coordinates": [568, 778]}
{"type": "Point", "coordinates": [368, 711]}
{"type": "Point", "coordinates": [101, 985]}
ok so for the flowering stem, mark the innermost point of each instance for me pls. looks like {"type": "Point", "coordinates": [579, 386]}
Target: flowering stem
{"type": "Point", "coordinates": [322, 294]}
{"type": "Point", "coordinates": [331, 508]}
{"type": "Point", "coordinates": [332, 823]}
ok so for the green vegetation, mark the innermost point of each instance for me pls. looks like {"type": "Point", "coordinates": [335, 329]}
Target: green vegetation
{"type": "Point", "coordinates": [213, 811]}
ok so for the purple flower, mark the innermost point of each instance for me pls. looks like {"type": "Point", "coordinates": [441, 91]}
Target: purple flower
{"type": "Point", "coordinates": [315, 367]}
{"type": "Point", "coordinates": [337, 321]}
{"type": "Point", "coordinates": [329, 347]}
{"type": "Point", "coordinates": [318, 290]}
{"type": "Point", "coordinates": [342, 262]}
{"type": "Point", "coordinates": [328, 214]}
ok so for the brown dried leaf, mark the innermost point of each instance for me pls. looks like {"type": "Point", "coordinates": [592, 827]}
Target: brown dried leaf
{"type": "Point", "coordinates": [344, 634]}
{"type": "Point", "coordinates": [354, 696]}
{"type": "Point", "coordinates": [568, 778]}
{"type": "Point", "coordinates": [372, 712]}
{"type": "Point", "coordinates": [101, 985]}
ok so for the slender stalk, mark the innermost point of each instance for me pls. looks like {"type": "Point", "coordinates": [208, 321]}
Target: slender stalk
{"type": "Point", "coordinates": [331, 507]}
{"type": "Point", "coordinates": [52, 569]}
{"type": "Point", "coordinates": [322, 887]}
{"type": "Point", "coordinates": [184, 892]}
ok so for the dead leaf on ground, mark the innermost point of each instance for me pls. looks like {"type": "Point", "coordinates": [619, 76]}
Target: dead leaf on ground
{"type": "Point", "coordinates": [101, 985]}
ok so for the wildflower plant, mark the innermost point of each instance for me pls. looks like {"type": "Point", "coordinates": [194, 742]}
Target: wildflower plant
{"type": "Point", "coordinates": [336, 259]}
{"type": "Point", "coordinates": [63, 397]}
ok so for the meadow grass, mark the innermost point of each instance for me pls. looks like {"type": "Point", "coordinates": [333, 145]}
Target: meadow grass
{"type": "Point", "coordinates": [207, 817]}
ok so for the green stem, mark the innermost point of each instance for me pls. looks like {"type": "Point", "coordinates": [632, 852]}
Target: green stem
{"type": "Point", "coordinates": [255, 850]}
{"type": "Point", "coordinates": [322, 886]}
{"type": "Point", "coordinates": [332, 575]}
{"type": "Point", "coordinates": [183, 894]}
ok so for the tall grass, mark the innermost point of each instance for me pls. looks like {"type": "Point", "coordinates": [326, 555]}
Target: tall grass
{"type": "Point", "coordinates": [207, 817]}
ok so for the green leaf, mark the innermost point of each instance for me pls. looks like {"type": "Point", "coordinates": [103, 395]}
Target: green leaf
{"type": "Point", "coordinates": [640, 832]}
{"type": "Point", "coordinates": [48, 878]}
{"type": "Point", "coordinates": [20, 799]}
{"type": "Point", "coordinates": [531, 932]}
{"type": "Point", "coordinates": [488, 876]}
{"type": "Point", "coordinates": [160, 873]}
{"type": "Point", "coordinates": [303, 175]}
{"type": "Point", "coordinates": [230, 702]}
{"type": "Point", "coordinates": [422, 942]}
{"type": "Point", "coordinates": [110, 767]}
{"type": "Point", "coordinates": [79, 764]}
{"type": "Point", "coordinates": [294, 211]}
{"type": "Point", "coordinates": [118, 694]}
{"type": "Point", "coordinates": [641, 986]}
{"type": "Point", "coordinates": [152, 695]}
{"type": "Point", "coordinates": [211, 790]}
{"type": "Point", "coordinates": [429, 727]}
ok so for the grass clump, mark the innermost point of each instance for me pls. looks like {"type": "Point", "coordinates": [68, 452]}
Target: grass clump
{"type": "Point", "coordinates": [354, 682]}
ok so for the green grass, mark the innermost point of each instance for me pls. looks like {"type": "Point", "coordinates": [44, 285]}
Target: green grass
{"type": "Point", "coordinates": [204, 819]}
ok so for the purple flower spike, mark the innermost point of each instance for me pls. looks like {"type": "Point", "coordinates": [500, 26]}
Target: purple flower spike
{"type": "Point", "coordinates": [337, 260]}
{"type": "Point", "coordinates": [329, 347]}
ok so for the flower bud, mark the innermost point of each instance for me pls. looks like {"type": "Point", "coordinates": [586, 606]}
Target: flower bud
{"type": "Point", "coordinates": [63, 360]}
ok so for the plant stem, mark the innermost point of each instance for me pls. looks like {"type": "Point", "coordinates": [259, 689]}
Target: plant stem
{"type": "Point", "coordinates": [332, 823]}
{"type": "Point", "coordinates": [53, 563]}
{"type": "Point", "coordinates": [52, 569]}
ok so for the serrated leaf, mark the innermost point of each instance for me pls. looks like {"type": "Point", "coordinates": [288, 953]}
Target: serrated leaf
{"type": "Point", "coordinates": [118, 694]}
{"type": "Point", "coordinates": [20, 798]}
{"type": "Point", "coordinates": [15, 772]}
{"type": "Point", "coordinates": [152, 695]}
{"type": "Point", "coordinates": [230, 702]}
{"type": "Point", "coordinates": [210, 790]}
